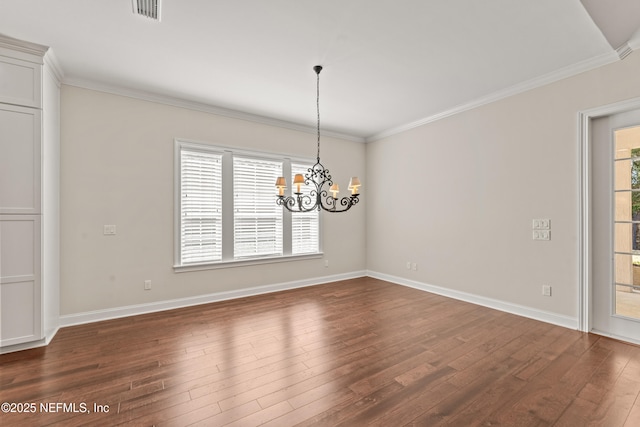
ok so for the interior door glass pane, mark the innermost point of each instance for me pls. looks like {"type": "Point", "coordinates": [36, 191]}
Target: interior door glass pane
{"type": "Point", "coordinates": [622, 152]}
{"type": "Point", "coordinates": [635, 206]}
{"type": "Point", "coordinates": [623, 269]}
{"type": "Point", "coordinates": [635, 173]}
{"type": "Point", "coordinates": [622, 237]}
{"type": "Point", "coordinates": [635, 237]}
{"type": "Point", "coordinates": [626, 142]}
{"type": "Point", "coordinates": [622, 175]}
{"type": "Point", "coordinates": [623, 206]}
{"type": "Point", "coordinates": [627, 301]}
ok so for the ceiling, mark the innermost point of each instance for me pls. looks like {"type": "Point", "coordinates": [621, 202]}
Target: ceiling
{"type": "Point", "coordinates": [388, 64]}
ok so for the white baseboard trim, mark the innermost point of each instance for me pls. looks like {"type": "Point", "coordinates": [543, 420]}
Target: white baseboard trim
{"type": "Point", "coordinates": [133, 310]}
{"type": "Point", "coordinates": [32, 344]}
{"type": "Point", "coordinates": [615, 337]}
{"type": "Point", "coordinates": [24, 346]}
{"type": "Point", "coordinates": [520, 310]}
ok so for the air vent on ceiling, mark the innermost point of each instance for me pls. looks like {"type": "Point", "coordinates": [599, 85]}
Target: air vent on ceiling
{"type": "Point", "coordinates": [147, 8]}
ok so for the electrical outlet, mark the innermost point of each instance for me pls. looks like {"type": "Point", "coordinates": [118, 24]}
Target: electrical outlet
{"type": "Point", "coordinates": [408, 265]}
{"type": "Point", "coordinates": [541, 224]}
{"type": "Point", "coordinates": [546, 290]}
{"type": "Point", "coordinates": [541, 235]}
{"type": "Point", "coordinates": [414, 266]}
{"type": "Point", "coordinates": [147, 285]}
{"type": "Point", "coordinates": [326, 263]}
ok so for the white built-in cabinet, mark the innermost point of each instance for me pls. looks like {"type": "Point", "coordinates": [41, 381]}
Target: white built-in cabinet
{"type": "Point", "coordinates": [29, 195]}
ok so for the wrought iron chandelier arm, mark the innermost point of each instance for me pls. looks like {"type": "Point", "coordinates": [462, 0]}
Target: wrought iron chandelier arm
{"type": "Point", "coordinates": [345, 202]}
{"type": "Point", "coordinates": [299, 203]}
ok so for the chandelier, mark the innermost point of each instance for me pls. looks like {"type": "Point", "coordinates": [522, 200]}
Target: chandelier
{"type": "Point", "coordinates": [317, 178]}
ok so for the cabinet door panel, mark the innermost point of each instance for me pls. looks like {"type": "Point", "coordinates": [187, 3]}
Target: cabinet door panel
{"type": "Point", "coordinates": [20, 160]}
{"type": "Point", "coordinates": [18, 320]}
{"type": "Point", "coordinates": [20, 279]}
{"type": "Point", "coordinates": [17, 247]}
{"type": "Point", "coordinates": [20, 83]}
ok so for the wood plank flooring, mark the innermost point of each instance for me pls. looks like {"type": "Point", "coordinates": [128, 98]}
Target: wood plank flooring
{"type": "Point", "coordinates": [361, 352]}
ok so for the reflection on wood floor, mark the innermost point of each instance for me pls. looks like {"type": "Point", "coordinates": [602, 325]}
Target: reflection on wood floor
{"type": "Point", "coordinates": [355, 353]}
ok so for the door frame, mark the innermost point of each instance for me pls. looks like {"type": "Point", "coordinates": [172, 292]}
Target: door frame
{"type": "Point", "coordinates": [585, 263]}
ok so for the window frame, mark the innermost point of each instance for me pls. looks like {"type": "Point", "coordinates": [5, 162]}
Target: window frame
{"type": "Point", "coordinates": [228, 259]}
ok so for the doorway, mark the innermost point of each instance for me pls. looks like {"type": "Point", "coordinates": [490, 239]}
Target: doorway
{"type": "Point", "coordinates": [614, 226]}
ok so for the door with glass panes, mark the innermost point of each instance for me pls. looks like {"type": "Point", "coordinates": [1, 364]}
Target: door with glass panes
{"type": "Point", "coordinates": [616, 226]}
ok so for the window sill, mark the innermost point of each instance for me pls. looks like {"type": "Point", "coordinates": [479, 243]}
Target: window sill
{"type": "Point", "coordinates": [244, 262]}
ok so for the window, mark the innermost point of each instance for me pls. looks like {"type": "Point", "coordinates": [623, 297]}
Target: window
{"type": "Point", "coordinates": [257, 220]}
{"type": "Point", "coordinates": [304, 226]}
{"type": "Point", "coordinates": [226, 210]}
{"type": "Point", "coordinates": [201, 206]}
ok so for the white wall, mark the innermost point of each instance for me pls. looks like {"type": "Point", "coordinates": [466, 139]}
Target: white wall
{"type": "Point", "coordinates": [117, 168]}
{"type": "Point", "coordinates": [458, 196]}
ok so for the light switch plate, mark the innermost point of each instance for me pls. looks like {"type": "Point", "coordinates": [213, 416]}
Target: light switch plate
{"type": "Point", "coordinates": [541, 224]}
{"type": "Point", "coordinates": [541, 235]}
{"type": "Point", "coordinates": [109, 230]}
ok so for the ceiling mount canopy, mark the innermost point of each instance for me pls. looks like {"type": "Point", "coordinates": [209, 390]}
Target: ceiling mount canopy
{"type": "Point", "coordinates": [318, 183]}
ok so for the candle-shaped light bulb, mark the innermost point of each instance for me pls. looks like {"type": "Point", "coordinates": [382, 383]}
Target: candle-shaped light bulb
{"type": "Point", "coordinates": [298, 180]}
{"type": "Point", "coordinates": [354, 184]}
{"type": "Point", "coordinates": [335, 189]}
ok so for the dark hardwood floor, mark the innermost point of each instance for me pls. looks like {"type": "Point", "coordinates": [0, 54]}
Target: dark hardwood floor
{"type": "Point", "coordinates": [361, 352]}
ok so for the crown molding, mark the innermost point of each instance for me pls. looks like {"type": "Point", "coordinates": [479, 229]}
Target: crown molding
{"type": "Point", "coordinates": [569, 71]}
{"type": "Point", "coordinates": [23, 46]}
{"type": "Point", "coordinates": [546, 79]}
{"type": "Point", "coordinates": [44, 54]}
{"type": "Point", "coordinates": [53, 66]}
{"type": "Point", "coordinates": [206, 108]}
{"type": "Point", "coordinates": [32, 49]}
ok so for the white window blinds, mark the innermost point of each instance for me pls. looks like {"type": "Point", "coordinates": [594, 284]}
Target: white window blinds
{"type": "Point", "coordinates": [226, 211]}
{"type": "Point", "coordinates": [257, 228]}
{"type": "Point", "coordinates": [200, 206]}
{"type": "Point", "coordinates": [305, 235]}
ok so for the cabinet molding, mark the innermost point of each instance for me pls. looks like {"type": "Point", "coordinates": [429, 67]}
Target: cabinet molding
{"type": "Point", "coordinates": [21, 82]}
{"type": "Point", "coordinates": [20, 160]}
{"type": "Point", "coordinates": [20, 279]}
{"type": "Point", "coordinates": [29, 196]}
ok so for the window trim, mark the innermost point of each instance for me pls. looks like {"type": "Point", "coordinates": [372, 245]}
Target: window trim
{"type": "Point", "coordinates": [227, 208]}
{"type": "Point", "coordinates": [215, 265]}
